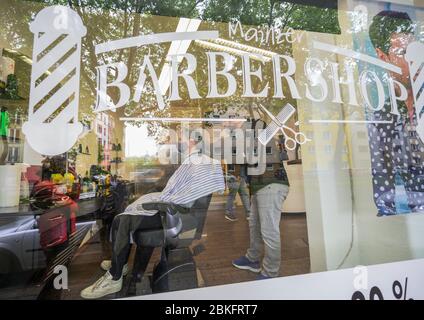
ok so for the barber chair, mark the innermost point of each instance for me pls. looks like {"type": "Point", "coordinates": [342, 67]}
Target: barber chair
{"type": "Point", "coordinates": [180, 226]}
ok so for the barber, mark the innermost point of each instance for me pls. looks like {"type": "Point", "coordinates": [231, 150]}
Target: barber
{"type": "Point", "coordinates": [268, 195]}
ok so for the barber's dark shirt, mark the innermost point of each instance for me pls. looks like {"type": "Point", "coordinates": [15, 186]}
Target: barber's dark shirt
{"type": "Point", "coordinates": [279, 176]}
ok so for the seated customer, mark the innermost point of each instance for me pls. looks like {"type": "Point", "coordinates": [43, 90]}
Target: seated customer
{"type": "Point", "coordinates": [198, 176]}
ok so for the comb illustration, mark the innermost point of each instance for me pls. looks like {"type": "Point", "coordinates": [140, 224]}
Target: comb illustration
{"type": "Point", "coordinates": [276, 124]}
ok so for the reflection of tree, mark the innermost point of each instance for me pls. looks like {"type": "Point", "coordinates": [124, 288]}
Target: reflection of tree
{"type": "Point", "coordinates": [273, 13]}
{"type": "Point", "coordinates": [105, 20]}
{"type": "Point", "coordinates": [109, 20]}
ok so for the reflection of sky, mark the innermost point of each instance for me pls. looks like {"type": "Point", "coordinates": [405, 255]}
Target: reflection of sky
{"type": "Point", "coordinates": [138, 142]}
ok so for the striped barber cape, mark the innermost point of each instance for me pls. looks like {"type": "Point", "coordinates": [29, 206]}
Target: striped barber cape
{"type": "Point", "coordinates": [198, 176]}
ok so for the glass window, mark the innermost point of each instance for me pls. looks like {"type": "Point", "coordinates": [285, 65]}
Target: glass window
{"type": "Point", "coordinates": [95, 119]}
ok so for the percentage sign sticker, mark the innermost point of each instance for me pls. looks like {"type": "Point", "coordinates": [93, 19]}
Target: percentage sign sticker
{"type": "Point", "coordinates": [400, 292]}
{"type": "Point", "coordinates": [375, 294]}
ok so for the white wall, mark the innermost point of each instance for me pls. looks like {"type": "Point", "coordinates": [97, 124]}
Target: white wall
{"type": "Point", "coordinates": [329, 200]}
{"type": "Point", "coordinates": [327, 185]}
{"type": "Point", "coordinates": [387, 238]}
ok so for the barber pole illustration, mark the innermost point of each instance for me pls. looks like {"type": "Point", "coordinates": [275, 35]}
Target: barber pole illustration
{"type": "Point", "coordinates": [415, 57]}
{"type": "Point", "coordinates": [52, 127]}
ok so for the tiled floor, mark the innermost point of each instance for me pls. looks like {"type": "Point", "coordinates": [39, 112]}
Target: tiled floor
{"type": "Point", "coordinates": [226, 241]}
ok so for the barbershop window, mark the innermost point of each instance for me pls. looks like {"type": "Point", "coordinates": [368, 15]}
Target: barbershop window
{"type": "Point", "coordinates": [132, 126]}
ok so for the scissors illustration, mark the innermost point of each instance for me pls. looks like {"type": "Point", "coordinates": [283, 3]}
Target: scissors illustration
{"type": "Point", "coordinates": [278, 123]}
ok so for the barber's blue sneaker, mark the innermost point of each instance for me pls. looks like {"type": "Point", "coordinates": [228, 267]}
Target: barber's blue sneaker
{"type": "Point", "coordinates": [262, 277]}
{"type": "Point", "coordinates": [245, 264]}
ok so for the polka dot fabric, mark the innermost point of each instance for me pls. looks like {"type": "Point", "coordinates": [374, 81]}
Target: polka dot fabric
{"type": "Point", "coordinates": [397, 153]}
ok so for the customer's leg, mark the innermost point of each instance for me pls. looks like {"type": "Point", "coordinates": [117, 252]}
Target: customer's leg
{"type": "Point", "coordinates": [233, 187]}
{"type": "Point", "coordinates": [255, 250]}
{"type": "Point", "coordinates": [121, 246]}
{"type": "Point", "coordinates": [122, 227]}
{"type": "Point", "coordinates": [270, 201]}
{"type": "Point", "coordinates": [244, 196]}
{"type": "Point", "coordinates": [229, 207]}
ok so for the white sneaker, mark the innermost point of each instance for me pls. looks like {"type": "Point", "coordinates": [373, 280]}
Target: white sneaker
{"type": "Point", "coordinates": [107, 264]}
{"type": "Point", "coordinates": [102, 287]}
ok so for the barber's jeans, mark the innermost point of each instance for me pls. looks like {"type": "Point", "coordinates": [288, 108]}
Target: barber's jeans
{"type": "Point", "coordinates": [123, 226]}
{"type": "Point", "coordinates": [264, 224]}
{"type": "Point", "coordinates": [239, 187]}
